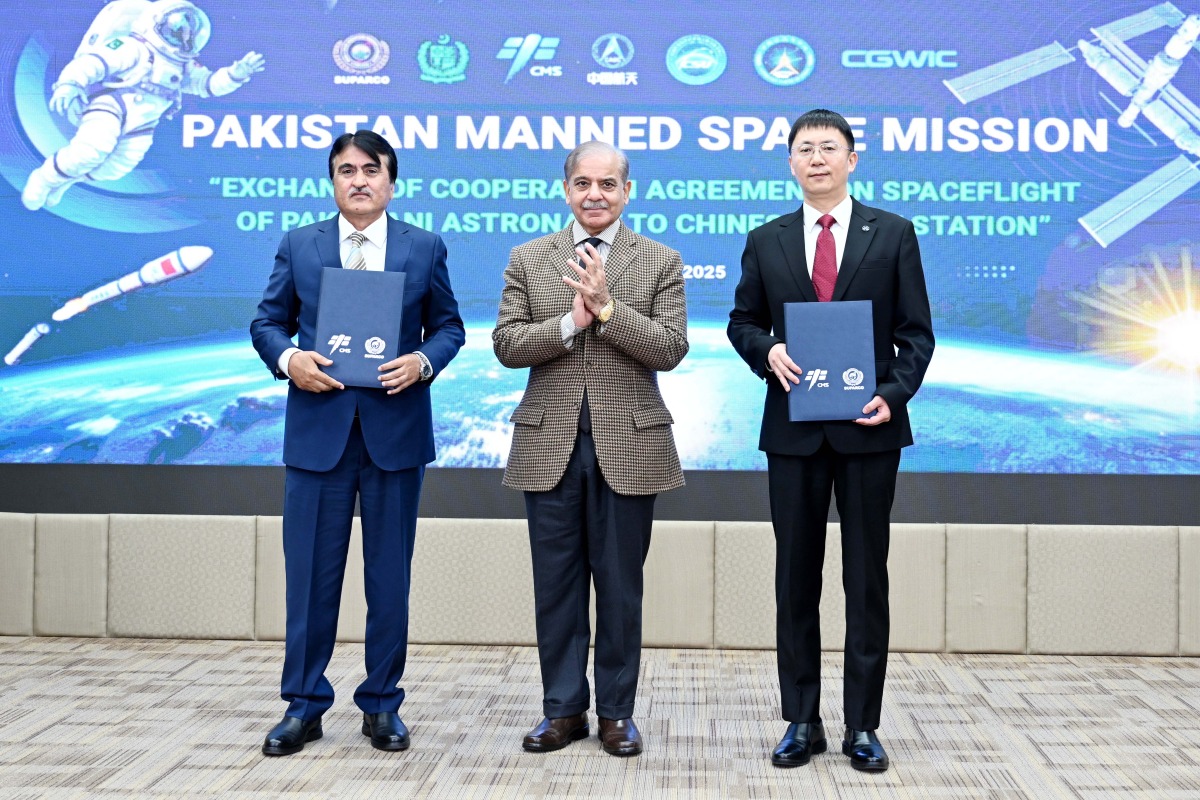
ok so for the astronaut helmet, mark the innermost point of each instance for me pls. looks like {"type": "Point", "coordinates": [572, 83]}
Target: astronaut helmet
{"type": "Point", "coordinates": [176, 27]}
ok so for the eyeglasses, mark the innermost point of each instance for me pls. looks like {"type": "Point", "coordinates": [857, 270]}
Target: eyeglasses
{"type": "Point", "coordinates": [827, 149]}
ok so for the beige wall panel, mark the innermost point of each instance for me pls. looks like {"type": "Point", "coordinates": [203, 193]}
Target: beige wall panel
{"type": "Point", "coordinates": [917, 587]}
{"type": "Point", "coordinates": [1189, 591]}
{"type": "Point", "coordinates": [270, 613]}
{"type": "Point", "coordinates": [472, 582]}
{"type": "Point", "coordinates": [833, 597]}
{"type": "Point", "coordinates": [744, 601]}
{"type": "Point", "coordinates": [677, 598]}
{"type": "Point", "coordinates": [270, 610]}
{"type": "Point", "coordinates": [71, 575]}
{"type": "Point", "coordinates": [985, 588]}
{"type": "Point", "coordinates": [16, 574]}
{"type": "Point", "coordinates": [181, 576]}
{"type": "Point", "coordinates": [745, 587]}
{"type": "Point", "coordinates": [1103, 589]}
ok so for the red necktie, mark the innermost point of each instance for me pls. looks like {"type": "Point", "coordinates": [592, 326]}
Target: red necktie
{"type": "Point", "coordinates": [824, 274]}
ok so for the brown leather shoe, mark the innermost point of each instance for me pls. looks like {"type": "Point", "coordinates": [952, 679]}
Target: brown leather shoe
{"type": "Point", "coordinates": [555, 734]}
{"type": "Point", "coordinates": [620, 737]}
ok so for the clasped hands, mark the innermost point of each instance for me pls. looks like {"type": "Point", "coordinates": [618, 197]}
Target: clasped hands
{"type": "Point", "coordinates": [590, 285]}
{"type": "Point", "coordinates": [304, 368]}
{"type": "Point", "coordinates": [789, 373]}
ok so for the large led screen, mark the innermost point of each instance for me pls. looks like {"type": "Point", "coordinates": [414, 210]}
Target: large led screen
{"type": "Point", "coordinates": [1046, 152]}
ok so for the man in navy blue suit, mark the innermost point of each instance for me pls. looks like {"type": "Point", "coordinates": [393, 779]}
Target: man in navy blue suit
{"type": "Point", "coordinates": [341, 442]}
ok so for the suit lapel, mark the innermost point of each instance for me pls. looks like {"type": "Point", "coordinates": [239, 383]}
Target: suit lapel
{"type": "Point", "coordinates": [620, 255]}
{"type": "Point", "coordinates": [563, 251]}
{"type": "Point", "coordinates": [791, 240]}
{"type": "Point", "coordinates": [328, 243]}
{"type": "Point", "coordinates": [858, 239]}
{"type": "Point", "coordinates": [398, 244]}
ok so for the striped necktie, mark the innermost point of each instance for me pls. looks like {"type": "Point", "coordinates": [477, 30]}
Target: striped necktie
{"type": "Point", "coordinates": [355, 259]}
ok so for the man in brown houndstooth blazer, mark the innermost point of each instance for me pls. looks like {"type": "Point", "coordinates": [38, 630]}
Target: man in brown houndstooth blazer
{"type": "Point", "coordinates": [596, 311]}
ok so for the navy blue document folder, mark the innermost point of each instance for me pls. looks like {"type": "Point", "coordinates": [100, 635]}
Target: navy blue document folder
{"type": "Point", "coordinates": [358, 323]}
{"type": "Point", "coordinates": [833, 343]}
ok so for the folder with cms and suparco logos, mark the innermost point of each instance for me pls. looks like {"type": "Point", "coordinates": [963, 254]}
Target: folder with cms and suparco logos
{"type": "Point", "coordinates": [834, 344]}
{"type": "Point", "coordinates": [358, 323]}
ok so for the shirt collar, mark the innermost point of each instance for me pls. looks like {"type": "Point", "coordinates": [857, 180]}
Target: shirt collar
{"type": "Point", "coordinates": [608, 235]}
{"type": "Point", "coordinates": [375, 233]}
{"type": "Point", "coordinates": [841, 213]}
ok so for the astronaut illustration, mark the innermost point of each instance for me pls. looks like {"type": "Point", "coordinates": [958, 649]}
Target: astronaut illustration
{"type": "Point", "coordinates": [135, 61]}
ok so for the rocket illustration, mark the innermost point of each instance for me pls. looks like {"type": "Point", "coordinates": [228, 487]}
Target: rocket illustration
{"type": "Point", "coordinates": [35, 333]}
{"type": "Point", "coordinates": [173, 265]}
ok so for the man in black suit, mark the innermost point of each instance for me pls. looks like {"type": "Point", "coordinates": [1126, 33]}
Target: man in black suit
{"type": "Point", "coordinates": [833, 248]}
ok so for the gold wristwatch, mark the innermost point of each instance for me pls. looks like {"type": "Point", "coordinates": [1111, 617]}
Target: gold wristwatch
{"type": "Point", "coordinates": [605, 313]}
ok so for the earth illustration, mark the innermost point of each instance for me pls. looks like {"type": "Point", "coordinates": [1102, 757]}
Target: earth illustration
{"type": "Point", "coordinates": [981, 410]}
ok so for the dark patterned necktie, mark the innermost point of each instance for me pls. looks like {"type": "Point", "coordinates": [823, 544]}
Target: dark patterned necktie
{"type": "Point", "coordinates": [824, 274]}
{"type": "Point", "coordinates": [594, 241]}
{"type": "Point", "coordinates": [355, 259]}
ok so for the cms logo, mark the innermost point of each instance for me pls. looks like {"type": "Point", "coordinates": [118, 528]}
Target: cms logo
{"type": "Point", "coordinates": [539, 71]}
{"type": "Point", "coordinates": [900, 59]}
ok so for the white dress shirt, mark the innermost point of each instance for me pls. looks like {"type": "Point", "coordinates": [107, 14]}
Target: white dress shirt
{"type": "Point", "coordinates": [374, 250]}
{"type": "Point", "coordinates": [841, 212]}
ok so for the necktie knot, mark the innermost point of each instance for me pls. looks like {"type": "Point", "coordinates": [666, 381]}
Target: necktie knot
{"type": "Point", "coordinates": [355, 258]}
{"type": "Point", "coordinates": [826, 221]}
{"type": "Point", "coordinates": [594, 241]}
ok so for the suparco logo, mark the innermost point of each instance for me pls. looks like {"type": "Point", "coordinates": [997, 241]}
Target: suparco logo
{"type": "Point", "coordinates": [900, 59]}
{"type": "Point", "coordinates": [817, 377]}
{"type": "Point", "coordinates": [361, 55]}
{"type": "Point", "coordinates": [374, 346]}
{"type": "Point", "coordinates": [853, 379]}
{"type": "Point", "coordinates": [339, 340]}
{"type": "Point", "coordinates": [531, 47]}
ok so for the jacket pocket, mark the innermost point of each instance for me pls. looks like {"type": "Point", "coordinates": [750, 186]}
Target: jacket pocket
{"type": "Point", "coordinates": [528, 414]}
{"type": "Point", "coordinates": [651, 416]}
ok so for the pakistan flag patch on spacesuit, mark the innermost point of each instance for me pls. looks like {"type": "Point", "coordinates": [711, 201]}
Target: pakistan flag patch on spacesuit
{"type": "Point", "coordinates": [115, 43]}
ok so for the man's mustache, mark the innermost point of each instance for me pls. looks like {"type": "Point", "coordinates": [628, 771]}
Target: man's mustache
{"type": "Point", "coordinates": [590, 204]}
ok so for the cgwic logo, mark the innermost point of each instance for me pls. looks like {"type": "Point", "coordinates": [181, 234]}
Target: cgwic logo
{"type": "Point", "coordinates": [899, 59]}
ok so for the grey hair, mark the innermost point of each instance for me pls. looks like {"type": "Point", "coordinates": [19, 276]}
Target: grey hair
{"type": "Point", "coordinates": [594, 147]}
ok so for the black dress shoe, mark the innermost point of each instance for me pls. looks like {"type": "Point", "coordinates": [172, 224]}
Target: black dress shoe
{"type": "Point", "coordinates": [290, 735]}
{"type": "Point", "coordinates": [555, 734]}
{"type": "Point", "coordinates": [386, 729]}
{"type": "Point", "coordinates": [865, 751]}
{"type": "Point", "coordinates": [799, 744]}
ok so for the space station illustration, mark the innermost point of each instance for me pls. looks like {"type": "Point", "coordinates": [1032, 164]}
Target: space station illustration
{"type": "Point", "coordinates": [1151, 97]}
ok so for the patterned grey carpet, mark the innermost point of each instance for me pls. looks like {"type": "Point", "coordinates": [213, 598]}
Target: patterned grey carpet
{"type": "Point", "coordinates": [169, 718]}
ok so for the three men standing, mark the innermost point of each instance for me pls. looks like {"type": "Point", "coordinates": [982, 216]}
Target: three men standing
{"type": "Point", "coordinates": [596, 311]}
{"type": "Point", "coordinates": [832, 249]}
{"type": "Point", "coordinates": [346, 442]}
